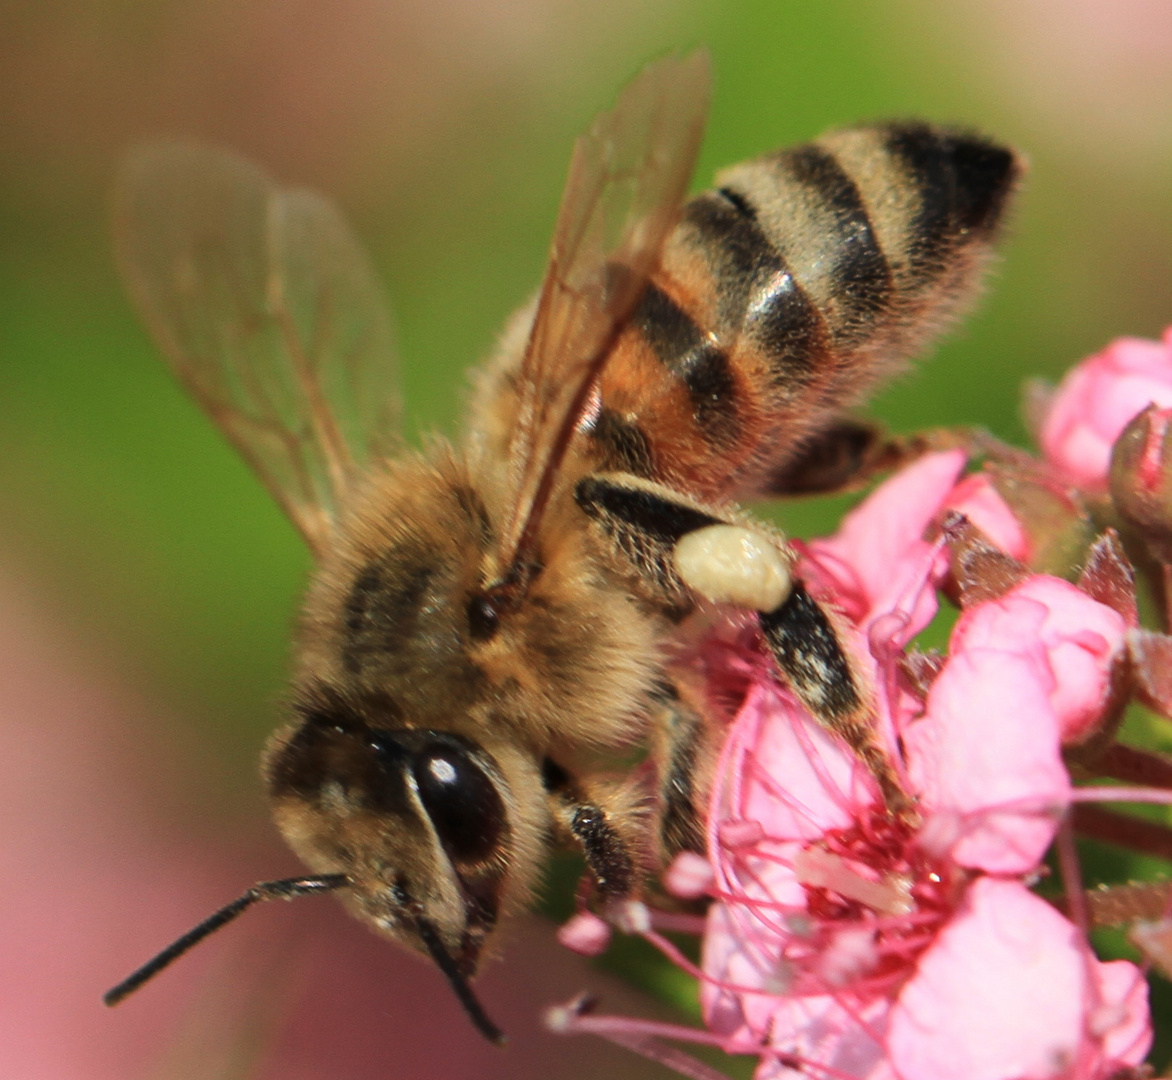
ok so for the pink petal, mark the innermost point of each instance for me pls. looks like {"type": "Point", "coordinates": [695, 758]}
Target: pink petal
{"type": "Point", "coordinates": [831, 1037]}
{"type": "Point", "coordinates": [1077, 640]}
{"type": "Point", "coordinates": [740, 953]}
{"type": "Point", "coordinates": [986, 755]}
{"type": "Point", "coordinates": [1121, 1021]}
{"type": "Point", "coordinates": [877, 554]}
{"type": "Point", "coordinates": [1013, 623]}
{"type": "Point", "coordinates": [787, 782]}
{"type": "Point", "coordinates": [797, 780]}
{"type": "Point", "coordinates": [999, 996]}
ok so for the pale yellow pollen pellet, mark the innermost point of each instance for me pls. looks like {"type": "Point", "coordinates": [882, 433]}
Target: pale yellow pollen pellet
{"type": "Point", "coordinates": [734, 565]}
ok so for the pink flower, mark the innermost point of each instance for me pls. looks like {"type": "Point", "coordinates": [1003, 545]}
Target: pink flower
{"type": "Point", "coordinates": [984, 759]}
{"type": "Point", "coordinates": [1096, 400]}
{"type": "Point", "coordinates": [846, 943]}
{"type": "Point", "coordinates": [839, 929]}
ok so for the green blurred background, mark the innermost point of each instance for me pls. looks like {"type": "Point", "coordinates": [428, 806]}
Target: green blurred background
{"type": "Point", "coordinates": [443, 128]}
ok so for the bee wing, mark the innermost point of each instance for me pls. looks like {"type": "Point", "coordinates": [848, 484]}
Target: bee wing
{"type": "Point", "coordinates": [269, 312]}
{"type": "Point", "coordinates": [628, 177]}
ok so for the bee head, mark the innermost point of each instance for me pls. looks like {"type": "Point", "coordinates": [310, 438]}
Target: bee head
{"type": "Point", "coordinates": [425, 825]}
{"type": "Point", "coordinates": [417, 830]}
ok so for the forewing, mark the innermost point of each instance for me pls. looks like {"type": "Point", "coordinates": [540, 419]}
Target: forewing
{"type": "Point", "coordinates": [628, 177]}
{"type": "Point", "coordinates": [270, 313]}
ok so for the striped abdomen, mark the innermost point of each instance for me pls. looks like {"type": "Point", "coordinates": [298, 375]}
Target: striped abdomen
{"type": "Point", "coordinates": [785, 294]}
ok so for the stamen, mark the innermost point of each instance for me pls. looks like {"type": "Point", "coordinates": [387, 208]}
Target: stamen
{"type": "Point", "coordinates": [821, 869]}
{"type": "Point", "coordinates": [641, 1036]}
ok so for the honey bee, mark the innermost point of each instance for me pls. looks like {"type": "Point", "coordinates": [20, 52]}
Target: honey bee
{"type": "Point", "coordinates": [491, 621]}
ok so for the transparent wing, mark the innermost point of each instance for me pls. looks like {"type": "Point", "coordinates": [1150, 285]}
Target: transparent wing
{"type": "Point", "coordinates": [628, 177]}
{"type": "Point", "coordinates": [270, 313]}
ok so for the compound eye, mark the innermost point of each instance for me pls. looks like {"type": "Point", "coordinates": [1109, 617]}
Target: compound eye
{"type": "Point", "coordinates": [461, 799]}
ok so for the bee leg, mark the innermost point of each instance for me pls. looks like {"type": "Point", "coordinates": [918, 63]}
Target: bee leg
{"type": "Point", "coordinates": [683, 551]}
{"type": "Point", "coordinates": [851, 453]}
{"type": "Point", "coordinates": [732, 563]}
{"type": "Point", "coordinates": [683, 776]}
{"type": "Point", "coordinates": [807, 648]}
{"type": "Point", "coordinates": [835, 458]}
{"type": "Point", "coordinates": [595, 823]}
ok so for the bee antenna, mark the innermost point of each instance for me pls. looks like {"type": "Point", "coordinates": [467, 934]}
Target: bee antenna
{"type": "Point", "coordinates": [458, 982]}
{"type": "Point", "coordinates": [285, 889]}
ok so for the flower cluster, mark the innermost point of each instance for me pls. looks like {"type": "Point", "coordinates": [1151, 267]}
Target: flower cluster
{"type": "Point", "coordinates": [845, 938]}
{"type": "Point", "coordinates": [845, 942]}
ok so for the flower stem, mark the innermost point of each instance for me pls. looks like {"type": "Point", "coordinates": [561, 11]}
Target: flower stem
{"type": "Point", "coordinates": [1112, 827]}
{"type": "Point", "coordinates": [1147, 768]}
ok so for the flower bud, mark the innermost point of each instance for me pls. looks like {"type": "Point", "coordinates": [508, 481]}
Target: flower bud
{"type": "Point", "coordinates": [689, 876]}
{"type": "Point", "coordinates": [1141, 478]}
{"type": "Point", "coordinates": [1096, 401]}
{"type": "Point", "coordinates": [585, 933]}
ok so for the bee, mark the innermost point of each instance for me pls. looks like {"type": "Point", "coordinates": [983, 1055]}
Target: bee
{"type": "Point", "coordinates": [493, 621]}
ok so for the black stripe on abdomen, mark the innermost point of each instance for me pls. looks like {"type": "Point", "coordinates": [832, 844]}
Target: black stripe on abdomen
{"type": "Point", "coordinates": [858, 276]}
{"type": "Point", "coordinates": [787, 327]}
{"type": "Point", "coordinates": [962, 181]}
{"type": "Point", "coordinates": [757, 297]}
{"type": "Point", "coordinates": [931, 231]}
{"type": "Point", "coordinates": [696, 360]}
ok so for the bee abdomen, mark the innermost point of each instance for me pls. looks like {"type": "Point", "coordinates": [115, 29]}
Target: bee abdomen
{"type": "Point", "coordinates": [877, 227]}
{"type": "Point", "coordinates": [784, 295]}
